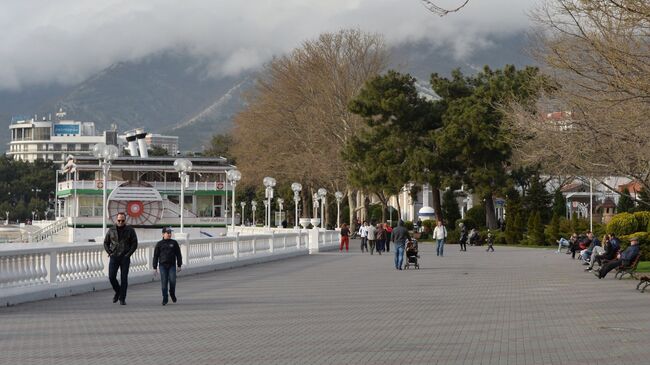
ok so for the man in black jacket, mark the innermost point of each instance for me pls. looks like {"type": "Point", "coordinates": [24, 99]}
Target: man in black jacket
{"type": "Point", "coordinates": [168, 254]}
{"type": "Point", "coordinates": [120, 243]}
{"type": "Point", "coordinates": [624, 259]}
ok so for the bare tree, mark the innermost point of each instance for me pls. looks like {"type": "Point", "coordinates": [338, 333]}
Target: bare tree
{"type": "Point", "coordinates": [432, 7]}
{"type": "Point", "coordinates": [297, 118]}
{"type": "Point", "coordinates": [599, 54]}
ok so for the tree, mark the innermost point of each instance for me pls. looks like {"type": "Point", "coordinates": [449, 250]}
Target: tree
{"type": "Point", "coordinates": [598, 52]}
{"type": "Point", "coordinates": [432, 7]}
{"type": "Point", "coordinates": [537, 199]}
{"type": "Point", "coordinates": [625, 204]}
{"type": "Point", "coordinates": [297, 119]}
{"type": "Point", "coordinates": [472, 139]}
{"type": "Point", "coordinates": [554, 228]}
{"type": "Point", "coordinates": [559, 204]}
{"type": "Point", "coordinates": [157, 151]}
{"type": "Point", "coordinates": [450, 210]}
{"type": "Point", "coordinates": [220, 146]}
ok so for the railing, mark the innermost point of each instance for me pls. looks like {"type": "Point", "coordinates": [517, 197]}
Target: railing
{"type": "Point", "coordinates": [48, 231]}
{"type": "Point", "coordinates": [44, 271]}
{"type": "Point", "coordinates": [158, 185]}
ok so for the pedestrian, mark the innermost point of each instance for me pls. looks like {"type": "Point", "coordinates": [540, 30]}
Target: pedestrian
{"type": "Point", "coordinates": [440, 235]}
{"type": "Point", "coordinates": [399, 236]}
{"type": "Point", "coordinates": [381, 238]}
{"type": "Point", "coordinates": [168, 254]}
{"type": "Point", "coordinates": [490, 242]}
{"type": "Point", "coordinates": [120, 243]}
{"type": "Point", "coordinates": [389, 231]}
{"type": "Point", "coordinates": [363, 233]}
{"type": "Point", "coordinates": [372, 236]}
{"type": "Point", "coordinates": [345, 238]}
{"type": "Point", "coordinates": [463, 237]}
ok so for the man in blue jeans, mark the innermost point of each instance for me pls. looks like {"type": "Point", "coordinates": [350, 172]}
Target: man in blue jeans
{"type": "Point", "coordinates": [399, 237]}
{"type": "Point", "coordinates": [120, 243]}
{"type": "Point", "coordinates": [440, 235]}
{"type": "Point", "coordinates": [168, 254]}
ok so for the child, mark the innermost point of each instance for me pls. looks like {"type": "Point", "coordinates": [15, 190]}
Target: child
{"type": "Point", "coordinates": [168, 253]}
{"type": "Point", "coordinates": [490, 242]}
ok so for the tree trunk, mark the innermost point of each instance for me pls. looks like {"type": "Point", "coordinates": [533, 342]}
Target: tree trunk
{"type": "Point", "coordinates": [353, 206]}
{"type": "Point", "coordinates": [437, 206]}
{"type": "Point", "coordinates": [490, 215]}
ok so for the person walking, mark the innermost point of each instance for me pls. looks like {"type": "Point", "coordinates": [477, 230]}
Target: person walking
{"type": "Point", "coordinates": [399, 236]}
{"type": "Point", "coordinates": [381, 238]}
{"type": "Point", "coordinates": [363, 233]}
{"type": "Point", "coordinates": [345, 238]}
{"type": "Point", "coordinates": [389, 231]}
{"type": "Point", "coordinates": [168, 254]}
{"type": "Point", "coordinates": [440, 235]}
{"type": "Point", "coordinates": [463, 237]}
{"type": "Point", "coordinates": [490, 242]}
{"type": "Point", "coordinates": [120, 243]}
{"type": "Point", "coordinates": [372, 236]}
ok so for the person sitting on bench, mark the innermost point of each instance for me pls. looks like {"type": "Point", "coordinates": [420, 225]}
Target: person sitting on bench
{"type": "Point", "coordinates": [624, 259]}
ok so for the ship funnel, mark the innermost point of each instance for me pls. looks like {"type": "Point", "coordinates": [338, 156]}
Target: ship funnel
{"type": "Point", "coordinates": [142, 144]}
{"type": "Point", "coordinates": [132, 144]}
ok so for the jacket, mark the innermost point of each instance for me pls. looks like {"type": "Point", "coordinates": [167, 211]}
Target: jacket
{"type": "Point", "coordinates": [400, 235]}
{"type": "Point", "coordinates": [117, 246]}
{"type": "Point", "coordinates": [168, 253]}
{"type": "Point", "coordinates": [630, 253]}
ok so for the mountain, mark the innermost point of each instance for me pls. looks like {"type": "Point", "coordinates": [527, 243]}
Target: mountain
{"type": "Point", "coordinates": [174, 93]}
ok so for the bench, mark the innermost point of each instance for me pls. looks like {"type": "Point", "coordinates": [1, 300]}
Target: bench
{"type": "Point", "coordinates": [645, 281]}
{"type": "Point", "coordinates": [630, 269]}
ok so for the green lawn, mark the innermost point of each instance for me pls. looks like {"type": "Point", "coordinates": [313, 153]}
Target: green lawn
{"type": "Point", "coordinates": [644, 266]}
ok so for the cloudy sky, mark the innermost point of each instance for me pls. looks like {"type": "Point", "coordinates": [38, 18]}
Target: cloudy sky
{"type": "Point", "coordinates": [65, 41]}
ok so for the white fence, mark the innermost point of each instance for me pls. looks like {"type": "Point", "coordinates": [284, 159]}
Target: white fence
{"type": "Point", "coordinates": [35, 272]}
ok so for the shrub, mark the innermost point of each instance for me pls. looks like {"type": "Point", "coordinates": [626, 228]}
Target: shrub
{"type": "Point", "coordinates": [468, 222]}
{"type": "Point", "coordinates": [644, 243]}
{"type": "Point", "coordinates": [623, 224]}
{"type": "Point", "coordinates": [643, 220]}
{"type": "Point", "coordinates": [428, 225]}
{"type": "Point", "coordinates": [477, 215]}
{"type": "Point", "coordinates": [408, 225]}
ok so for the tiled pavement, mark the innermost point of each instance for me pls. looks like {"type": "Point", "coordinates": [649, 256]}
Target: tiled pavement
{"type": "Point", "coordinates": [514, 306]}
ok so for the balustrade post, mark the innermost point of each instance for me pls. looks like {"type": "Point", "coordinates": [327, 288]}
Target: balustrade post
{"type": "Point", "coordinates": [312, 241]}
{"type": "Point", "coordinates": [106, 260]}
{"type": "Point", "coordinates": [50, 267]}
{"type": "Point", "coordinates": [272, 241]}
{"type": "Point", "coordinates": [185, 251]}
{"type": "Point", "coordinates": [235, 246]}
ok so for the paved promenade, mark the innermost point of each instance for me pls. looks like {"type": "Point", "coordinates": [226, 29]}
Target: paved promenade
{"type": "Point", "coordinates": [514, 306]}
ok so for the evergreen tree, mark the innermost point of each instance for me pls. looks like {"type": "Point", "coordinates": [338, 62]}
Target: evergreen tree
{"type": "Point", "coordinates": [450, 210]}
{"type": "Point", "coordinates": [644, 201]}
{"type": "Point", "coordinates": [519, 226]}
{"type": "Point", "coordinates": [625, 204]}
{"type": "Point", "coordinates": [554, 228]}
{"type": "Point", "coordinates": [530, 231]}
{"type": "Point", "coordinates": [538, 199]}
{"type": "Point", "coordinates": [559, 204]}
{"type": "Point", "coordinates": [537, 235]}
{"type": "Point", "coordinates": [511, 232]}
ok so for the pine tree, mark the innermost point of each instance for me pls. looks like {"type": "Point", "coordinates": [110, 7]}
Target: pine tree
{"type": "Point", "coordinates": [554, 228]}
{"type": "Point", "coordinates": [530, 231]}
{"type": "Point", "coordinates": [538, 230]}
{"type": "Point", "coordinates": [625, 204]}
{"type": "Point", "coordinates": [512, 233]}
{"type": "Point", "coordinates": [450, 210]}
{"type": "Point", "coordinates": [559, 204]}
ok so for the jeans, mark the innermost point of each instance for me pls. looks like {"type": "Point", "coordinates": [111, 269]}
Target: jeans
{"type": "Point", "coordinates": [364, 243]}
{"type": "Point", "coordinates": [168, 277]}
{"type": "Point", "coordinates": [123, 264]}
{"type": "Point", "coordinates": [399, 256]}
{"type": "Point", "coordinates": [440, 246]}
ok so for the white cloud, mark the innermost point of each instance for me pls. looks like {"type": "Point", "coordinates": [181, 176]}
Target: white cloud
{"type": "Point", "coordinates": [65, 41]}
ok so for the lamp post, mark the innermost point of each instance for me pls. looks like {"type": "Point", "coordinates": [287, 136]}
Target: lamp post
{"type": "Point", "coordinates": [339, 197]}
{"type": "Point", "coordinates": [233, 176]}
{"type": "Point", "coordinates": [267, 220]}
{"type": "Point", "coordinates": [321, 195]}
{"type": "Point", "coordinates": [183, 166]}
{"type": "Point", "coordinates": [243, 206]}
{"type": "Point", "coordinates": [269, 183]}
{"type": "Point", "coordinates": [105, 154]}
{"type": "Point", "coordinates": [7, 221]}
{"type": "Point", "coordinates": [314, 198]}
{"type": "Point", "coordinates": [297, 188]}
{"type": "Point", "coordinates": [33, 215]}
{"type": "Point", "coordinates": [254, 208]}
{"type": "Point", "coordinates": [280, 202]}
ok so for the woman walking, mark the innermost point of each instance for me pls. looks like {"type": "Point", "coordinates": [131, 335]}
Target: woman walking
{"type": "Point", "coordinates": [345, 238]}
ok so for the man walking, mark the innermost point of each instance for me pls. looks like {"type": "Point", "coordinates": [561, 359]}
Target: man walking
{"type": "Point", "coordinates": [463, 237]}
{"type": "Point", "coordinates": [120, 243]}
{"type": "Point", "coordinates": [399, 236]}
{"type": "Point", "coordinates": [440, 235]}
{"type": "Point", "coordinates": [168, 254]}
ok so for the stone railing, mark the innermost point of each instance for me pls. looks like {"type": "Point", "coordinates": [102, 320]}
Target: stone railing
{"type": "Point", "coordinates": [33, 272]}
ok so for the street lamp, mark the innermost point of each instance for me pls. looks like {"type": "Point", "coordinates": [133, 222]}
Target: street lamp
{"type": "Point", "coordinates": [280, 202]}
{"type": "Point", "coordinates": [7, 221]}
{"type": "Point", "coordinates": [33, 215]}
{"type": "Point", "coordinates": [243, 206]}
{"type": "Point", "coordinates": [296, 187]}
{"type": "Point", "coordinates": [267, 219]}
{"type": "Point", "coordinates": [183, 166]}
{"type": "Point", "coordinates": [254, 208]}
{"type": "Point", "coordinates": [314, 198]}
{"type": "Point", "coordinates": [105, 154]}
{"type": "Point", "coordinates": [269, 183]}
{"type": "Point", "coordinates": [233, 176]}
{"type": "Point", "coordinates": [321, 195]}
{"type": "Point", "coordinates": [339, 197]}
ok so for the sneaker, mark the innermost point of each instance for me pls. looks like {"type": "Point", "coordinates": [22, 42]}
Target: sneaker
{"type": "Point", "coordinates": [164, 302]}
{"type": "Point", "coordinates": [588, 269]}
{"type": "Point", "coordinates": [173, 296]}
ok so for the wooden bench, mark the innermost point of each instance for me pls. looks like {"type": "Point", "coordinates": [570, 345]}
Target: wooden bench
{"type": "Point", "coordinates": [645, 281]}
{"type": "Point", "coordinates": [630, 269]}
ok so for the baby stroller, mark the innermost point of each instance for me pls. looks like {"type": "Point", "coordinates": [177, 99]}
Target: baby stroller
{"type": "Point", "coordinates": [411, 252]}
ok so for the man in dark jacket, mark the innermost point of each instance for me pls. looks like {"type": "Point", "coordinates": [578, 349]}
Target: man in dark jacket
{"type": "Point", "coordinates": [399, 236]}
{"type": "Point", "coordinates": [120, 243]}
{"type": "Point", "coordinates": [625, 258]}
{"type": "Point", "coordinates": [168, 254]}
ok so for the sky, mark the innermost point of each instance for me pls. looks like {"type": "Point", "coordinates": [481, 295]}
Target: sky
{"type": "Point", "coordinates": [67, 41]}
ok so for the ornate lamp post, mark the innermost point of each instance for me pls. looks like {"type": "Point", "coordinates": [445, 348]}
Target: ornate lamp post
{"type": "Point", "coordinates": [269, 183]}
{"type": "Point", "coordinates": [321, 195]}
{"type": "Point", "coordinates": [314, 198]}
{"type": "Point", "coordinates": [297, 188]}
{"type": "Point", "coordinates": [254, 208]}
{"type": "Point", "coordinates": [105, 153]}
{"type": "Point", "coordinates": [183, 166]}
{"type": "Point", "coordinates": [339, 197]}
{"type": "Point", "coordinates": [233, 176]}
{"type": "Point", "coordinates": [243, 206]}
{"type": "Point", "coordinates": [267, 222]}
{"type": "Point", "coordinates": [280, 202]}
